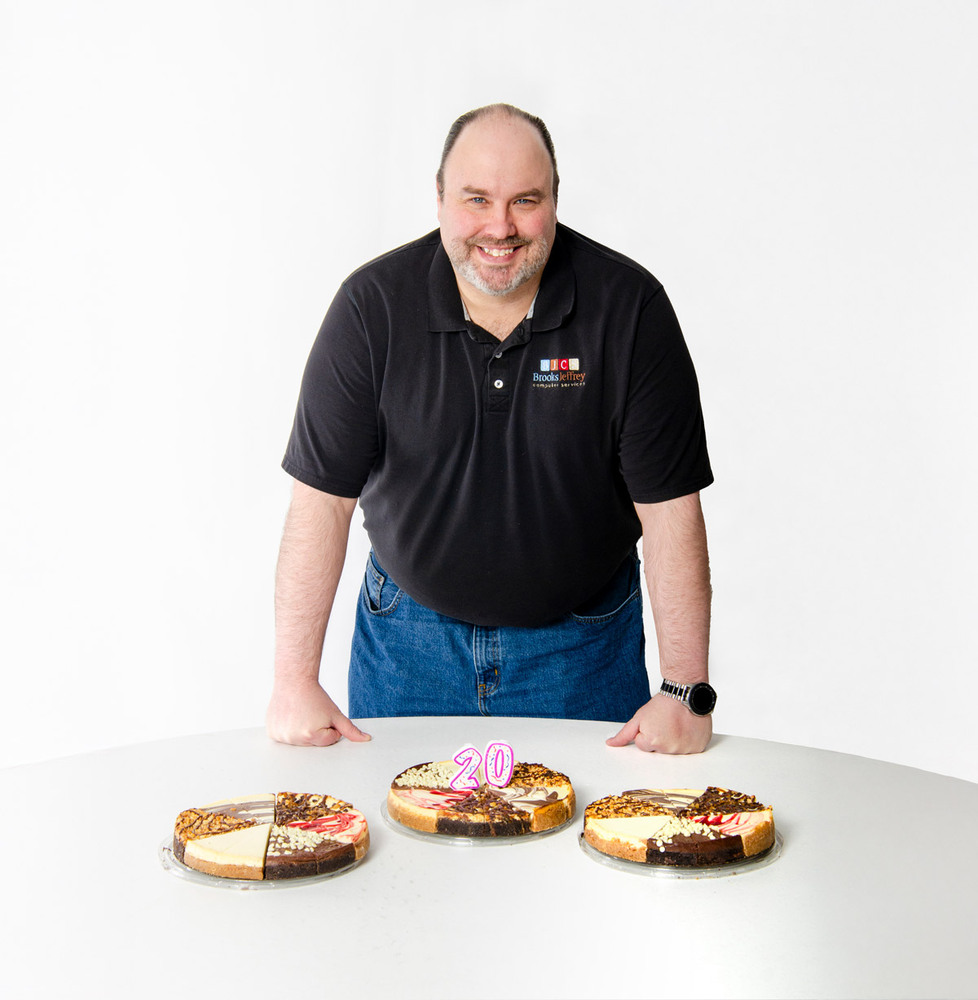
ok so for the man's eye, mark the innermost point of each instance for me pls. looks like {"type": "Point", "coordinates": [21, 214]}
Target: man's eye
{"type": "Point", "coordinates": [477, 201]}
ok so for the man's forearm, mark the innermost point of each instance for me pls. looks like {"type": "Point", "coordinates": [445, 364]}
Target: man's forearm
{"type": "Point", "coordinates": [677, 571]}
{"type": "Point", "coordinates": [310, 562]}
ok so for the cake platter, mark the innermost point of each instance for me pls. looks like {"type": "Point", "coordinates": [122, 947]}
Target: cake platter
{"type": "Point", "coordinates": [670, 871]}
{"type": "Point", "coordinates": [447, 838]}
{"type": "Point", "coordinates": [170, 863]}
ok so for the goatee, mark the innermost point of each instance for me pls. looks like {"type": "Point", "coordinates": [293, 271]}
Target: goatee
{"type": "Point", "coordinates": [460, 254]}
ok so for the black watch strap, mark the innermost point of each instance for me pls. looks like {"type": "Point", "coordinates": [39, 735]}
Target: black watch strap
{"type": "Point", "coordinates": [698, 698]}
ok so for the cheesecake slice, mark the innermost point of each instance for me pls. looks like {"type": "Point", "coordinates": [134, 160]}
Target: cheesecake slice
{"type": "Point", "coordinates": [239, 853]}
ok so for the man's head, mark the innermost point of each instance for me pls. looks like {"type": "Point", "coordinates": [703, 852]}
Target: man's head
{"type": "Point", "coordinates": [497, 196]}
{"type": "Point", "coordinates": [491, 109]}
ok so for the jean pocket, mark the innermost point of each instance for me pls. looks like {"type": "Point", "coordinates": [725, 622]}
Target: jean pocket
{"type": "Point", "coordinates": [617, 594]}
{"type": "Point", "coordinates": [380, 593]}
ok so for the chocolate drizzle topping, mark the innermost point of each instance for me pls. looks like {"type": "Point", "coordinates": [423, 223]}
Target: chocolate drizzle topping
{"type": "Point", "coordinates": [292, 807]}
{"type": "Point", "coordinates": [719, 801]}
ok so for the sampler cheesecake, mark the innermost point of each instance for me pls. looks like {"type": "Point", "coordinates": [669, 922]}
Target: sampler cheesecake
{"type": "Point", "coordinates": [680, 827]}
{"type": "Point", "coordinates": [536, 799]}
{"type": "Point", "coordinates": [271, 836]}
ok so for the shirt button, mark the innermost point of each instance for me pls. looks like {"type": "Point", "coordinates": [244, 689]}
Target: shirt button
{"type": "Point", "coordinates": [498, 354]}
{"type": "Point", "coordinates": [498, 383]}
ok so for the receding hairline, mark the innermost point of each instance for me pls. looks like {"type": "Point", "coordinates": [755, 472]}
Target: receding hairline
{"type": "Point", "coordinates": [499, 110]}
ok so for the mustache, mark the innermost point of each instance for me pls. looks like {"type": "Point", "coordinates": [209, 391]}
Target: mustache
{"type": "Point", "coordinates": [498, 244]}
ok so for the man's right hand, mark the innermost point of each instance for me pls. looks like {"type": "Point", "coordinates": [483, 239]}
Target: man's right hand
{"type": "Point", "coordinates": [303, 714]}
{"type": "Point", "coordinates": [310, 562]}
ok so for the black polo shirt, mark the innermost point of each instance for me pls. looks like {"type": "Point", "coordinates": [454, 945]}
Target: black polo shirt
{"type": "Point", "coordinates": [497, 478]}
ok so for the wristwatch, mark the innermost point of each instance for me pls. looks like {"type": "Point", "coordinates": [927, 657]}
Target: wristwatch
{"type": "Point", "coordinates": [698, 698]}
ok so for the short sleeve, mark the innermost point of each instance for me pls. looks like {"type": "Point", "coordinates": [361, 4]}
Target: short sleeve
{"type": "Point", "coordinates": [334, 440]}
{"type": "Point", "coordinates": [662, 447]}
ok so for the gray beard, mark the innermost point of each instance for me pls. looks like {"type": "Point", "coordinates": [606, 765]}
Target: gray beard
{"type": "Point", "coordinates": [459, 253]}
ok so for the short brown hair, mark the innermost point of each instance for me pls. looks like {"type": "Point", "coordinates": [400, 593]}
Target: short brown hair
{"type": "Point", "coordinates": [470, 116]}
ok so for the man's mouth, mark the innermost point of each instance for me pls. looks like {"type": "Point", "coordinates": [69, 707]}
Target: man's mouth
{"type": "Point", "coordinates": [497, 251]}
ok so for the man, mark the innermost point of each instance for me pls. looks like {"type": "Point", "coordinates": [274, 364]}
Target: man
{"type": "Point", "coordinates": [514, 406]}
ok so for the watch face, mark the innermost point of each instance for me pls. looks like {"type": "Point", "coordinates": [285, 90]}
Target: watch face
{"type": "Point", "coordinates": [702, 698]}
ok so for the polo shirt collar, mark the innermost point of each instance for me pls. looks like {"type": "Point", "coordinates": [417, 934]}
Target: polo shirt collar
{"type": "Point", "coordinates": [553, 304]}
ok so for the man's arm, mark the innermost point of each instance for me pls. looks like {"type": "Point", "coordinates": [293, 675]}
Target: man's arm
{"type": "Point", "coordinates": [677, 570]}
{"type": "Point", "coordinates": [310, 562]}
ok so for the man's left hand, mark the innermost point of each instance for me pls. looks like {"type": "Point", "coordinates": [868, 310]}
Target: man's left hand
{"type": "Point", "coordinates": [664, 725]}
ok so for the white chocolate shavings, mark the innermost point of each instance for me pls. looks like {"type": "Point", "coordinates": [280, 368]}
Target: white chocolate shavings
{"type": "Point", "coordinates": [288, 839]}
{"type": "Point", "coordinates": [435, 775]}
{"type": "Point", "coordinates": [675, 826]}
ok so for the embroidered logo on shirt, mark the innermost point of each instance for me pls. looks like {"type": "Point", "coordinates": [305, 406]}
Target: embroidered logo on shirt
{"type": "Point", "coordinates": [564, 373]}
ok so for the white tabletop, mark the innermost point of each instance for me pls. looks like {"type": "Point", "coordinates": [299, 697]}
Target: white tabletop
{"type": "Point", "coordinates": [873, 895]}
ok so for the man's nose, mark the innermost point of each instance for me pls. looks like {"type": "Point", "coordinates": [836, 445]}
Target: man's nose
{"type": "Point", "coordinates": [500, 224]}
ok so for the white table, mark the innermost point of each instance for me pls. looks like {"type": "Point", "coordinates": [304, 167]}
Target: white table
{"type": "Point", "coordinates": [869, 898]}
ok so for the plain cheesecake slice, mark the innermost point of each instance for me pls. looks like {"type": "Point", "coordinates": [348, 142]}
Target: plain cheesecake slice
{"type": "Point", "coordinates": [236, 854]}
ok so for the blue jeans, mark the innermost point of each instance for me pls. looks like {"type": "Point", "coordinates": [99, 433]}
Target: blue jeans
{"type": "Point", "coordinates": [408, 660]}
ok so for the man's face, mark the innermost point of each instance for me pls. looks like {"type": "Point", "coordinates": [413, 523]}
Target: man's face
{"type": "Point", "coordinates": [497, 212]}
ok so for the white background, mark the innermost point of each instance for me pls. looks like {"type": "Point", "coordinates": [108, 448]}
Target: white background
{"type": "Point", "coordinates": [184, 185]}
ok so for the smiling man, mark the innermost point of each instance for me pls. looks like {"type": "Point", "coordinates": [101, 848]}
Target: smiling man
{"type": "Point", "coordinates": [497, 210]}
{"type": "Point", "coordinates": [514, 407]}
